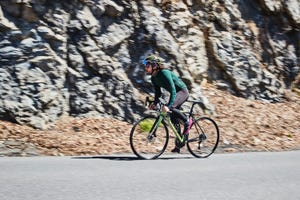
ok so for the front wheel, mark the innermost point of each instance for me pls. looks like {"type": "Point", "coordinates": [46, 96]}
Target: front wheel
{"type": "Point", "coordinates": [146, 141]}
{"type": "Point", "coordinates": [203, 137]}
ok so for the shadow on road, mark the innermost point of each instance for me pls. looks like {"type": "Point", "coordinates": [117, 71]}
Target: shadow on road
{"type": "Point", "coordinates": [129, 158]}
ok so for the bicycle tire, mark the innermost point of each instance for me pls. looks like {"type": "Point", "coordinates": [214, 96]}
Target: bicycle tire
{"type": "Point", "coordinates": [203, 137]}
{"type": "Point", "coordinates": [146, 148]}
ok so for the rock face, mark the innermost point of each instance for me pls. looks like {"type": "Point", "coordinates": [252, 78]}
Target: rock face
{"type": "Point", "coordinates": [82, 57]}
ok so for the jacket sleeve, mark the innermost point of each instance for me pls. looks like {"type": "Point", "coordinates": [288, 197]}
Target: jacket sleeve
{"type": "Point", "coordinates": [170, 87]}
{"type": "Point", "coordinates": [157, 92]}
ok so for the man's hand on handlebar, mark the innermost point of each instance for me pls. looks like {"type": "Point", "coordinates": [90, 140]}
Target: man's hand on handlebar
{"type": "Point", "coordinates": [153, 106]}
{"type": "Point", "coordinates": [165, 109]}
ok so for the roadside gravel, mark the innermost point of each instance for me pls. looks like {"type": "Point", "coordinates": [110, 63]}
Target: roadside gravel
{"type": "Point", "coordinates": [245, 125]}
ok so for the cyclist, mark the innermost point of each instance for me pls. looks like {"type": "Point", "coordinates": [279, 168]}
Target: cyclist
{"type": "Point", "coordinates": [164, 78]}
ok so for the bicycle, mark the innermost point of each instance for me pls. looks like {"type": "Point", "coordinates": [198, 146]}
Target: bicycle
{"type": "Point", "coordinates": [149, 136]}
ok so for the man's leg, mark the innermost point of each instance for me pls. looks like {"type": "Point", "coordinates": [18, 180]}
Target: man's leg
{"type": "Point", "coordinates": [181, 97]}
{"type": "Point", "coordinates": [175, 122]}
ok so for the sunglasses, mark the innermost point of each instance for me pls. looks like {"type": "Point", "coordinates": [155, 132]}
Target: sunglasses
{"type": "Point", "coordinates": [146, 64]}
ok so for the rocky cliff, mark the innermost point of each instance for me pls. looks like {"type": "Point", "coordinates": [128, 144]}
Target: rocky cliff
{"type": "Point", "coordinates": [82, 57]}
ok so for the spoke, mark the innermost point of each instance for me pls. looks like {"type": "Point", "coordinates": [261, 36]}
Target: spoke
{"type": "Point", "coordinates": [204, 136]}
{"type": "Point", "coordinates": [147, 143]}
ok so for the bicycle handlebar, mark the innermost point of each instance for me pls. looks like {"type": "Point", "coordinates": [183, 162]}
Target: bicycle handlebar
{"type": "Point", "coordinates": [161, 103]}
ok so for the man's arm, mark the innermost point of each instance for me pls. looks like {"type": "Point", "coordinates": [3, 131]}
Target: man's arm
{"type": "Point", "coordinates": [171, 87]}
{"type": "Point", "coordinates": [157, 93]}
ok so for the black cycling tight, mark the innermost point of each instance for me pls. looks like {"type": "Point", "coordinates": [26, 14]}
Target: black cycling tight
{"type": "Point", "coordinates": [181, 97]}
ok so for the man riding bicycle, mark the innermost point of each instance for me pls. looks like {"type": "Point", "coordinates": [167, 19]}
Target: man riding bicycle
{"type": "Point", "coordinates": [164, 78]}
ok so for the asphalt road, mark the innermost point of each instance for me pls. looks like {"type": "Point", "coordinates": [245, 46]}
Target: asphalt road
{"type": "Point", "coordinates": [237, 176]}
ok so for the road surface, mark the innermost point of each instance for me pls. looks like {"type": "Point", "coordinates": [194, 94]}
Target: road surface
{"type": "Point", "coordinates": [238, 176]}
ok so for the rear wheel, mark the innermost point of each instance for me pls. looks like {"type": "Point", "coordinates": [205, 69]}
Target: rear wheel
{"type": "Point", "coordinates": [203, 137]}
{"type": "Point", "coordinates": [147, 143]}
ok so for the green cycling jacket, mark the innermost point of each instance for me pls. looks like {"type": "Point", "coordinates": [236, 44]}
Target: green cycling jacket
{"type": "Point", "coordinates": [170, 82]}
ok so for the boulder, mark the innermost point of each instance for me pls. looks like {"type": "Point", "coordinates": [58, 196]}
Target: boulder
{"type": "Point", "coordinates": [83, 57]}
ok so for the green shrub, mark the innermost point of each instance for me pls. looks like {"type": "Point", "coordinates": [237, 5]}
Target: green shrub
{"type": "Point", "coordinates": [146, 125]}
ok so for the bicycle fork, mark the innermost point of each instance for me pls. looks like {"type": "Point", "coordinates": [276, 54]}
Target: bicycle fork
{"type": "Point", "coordinates": [152, 132]}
